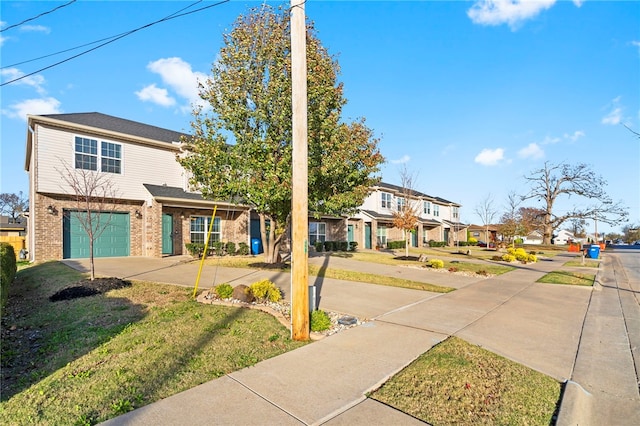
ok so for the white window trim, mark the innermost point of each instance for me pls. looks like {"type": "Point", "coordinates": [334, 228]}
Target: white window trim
{"type": "Point", "coordinates": [207, 221]}
{"type": "Point", "coordinates": [98, 155]}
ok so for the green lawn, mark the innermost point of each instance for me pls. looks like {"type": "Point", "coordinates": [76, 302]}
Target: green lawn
{"type": "Point", "coordinates": [456, 383]}
{"type": "Point", "coordinates": [568, 278]}
{"type": "Point", "coordinates": [85, 360]}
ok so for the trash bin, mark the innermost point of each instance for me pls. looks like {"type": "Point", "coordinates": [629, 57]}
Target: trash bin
{"type": "Point", "coordinates": [594, 251]}
{"type": "Point", "coordinates": [256, 246]}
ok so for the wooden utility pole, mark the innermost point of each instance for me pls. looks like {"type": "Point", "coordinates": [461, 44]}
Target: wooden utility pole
{"type": "Point", "coordinates": [300, 184]}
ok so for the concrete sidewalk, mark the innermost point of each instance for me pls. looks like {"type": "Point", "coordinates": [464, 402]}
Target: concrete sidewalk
{"type": "Point", "coordinates": [541, 326]}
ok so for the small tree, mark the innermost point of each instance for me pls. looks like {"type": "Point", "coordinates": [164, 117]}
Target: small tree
{"type": "Point", "coordinates": [511, 222]}
{"type": "Point", "coordinates": [405, 216]}
{"type": "Point", "coordinates": [553, 181]}
{"type": "Point", "coordinates": [13, 205]}
{"type": "Point", "coordinates": [92, 192]}
{"type": "Point", "coordinates": [487, 213]}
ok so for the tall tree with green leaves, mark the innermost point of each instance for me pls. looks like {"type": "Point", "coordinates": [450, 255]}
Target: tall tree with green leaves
{"type": "Point", "coordinates": [240, 148]}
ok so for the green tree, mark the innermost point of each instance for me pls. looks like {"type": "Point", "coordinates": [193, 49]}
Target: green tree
{"type": "Point", "coordinates": [240, 148]}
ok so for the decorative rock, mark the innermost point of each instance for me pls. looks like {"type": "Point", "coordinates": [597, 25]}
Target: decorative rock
{"type": "Point", "coordinates": [347, 320]}
{"type": "Point", "coordinates": [243, 293]}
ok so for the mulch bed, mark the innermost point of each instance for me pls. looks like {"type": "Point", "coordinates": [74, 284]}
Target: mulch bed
{"type": "Point", "coordinates": [86, 288]}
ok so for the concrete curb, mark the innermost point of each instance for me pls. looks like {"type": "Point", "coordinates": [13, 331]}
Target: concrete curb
{"type": "Point", "coordinates": [576, 404]}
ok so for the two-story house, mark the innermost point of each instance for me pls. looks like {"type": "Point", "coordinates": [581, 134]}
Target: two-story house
{"type": "Point", "coordinates": [153, 212]}
{"type": "Point", "coordinates": [438, 219]}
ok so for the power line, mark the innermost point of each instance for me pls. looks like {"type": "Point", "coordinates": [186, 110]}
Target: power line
{"type": "Point", "coordinates": [86, 44]}
{"type": "Point", "coordinates": [37, 16]}
{"type": "Point", "coordinates": [118, 37]}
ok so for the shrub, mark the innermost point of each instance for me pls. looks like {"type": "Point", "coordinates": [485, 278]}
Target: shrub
{"type": "Point", "coordinates": [507, 257]}
{"type": "Point", "coordinates": [472, 241]}
{"type": "Point", "coordinates": [436, 263]}
{"type": "Point", "coordinates": [217, 247]}
{"type": "Point", "coordinates": [531, 258]}
{"type": "Point", "coordinates": [320, 321]}
{"type": "Point", "coordinates": [521, 254]}
{"type": "Point", "coordinates": [243, 249]}
{"type": "Point", "coordinates": [7, 270]}
{"type": "Point", "coordinates": [391, 245]}
{"type": "Point", "coordinates": [433, 243]}
{"type": "Point", "coordinates": [482, 272]}
{"type": "Point", "coordinates": [353, 245]}
{"type": "Point", "coordinates": [224, 291]}
{"type": "Point", "coordinates": [518, 241]}
{"type": "Point", "coordinates": [343, 246]}
{"type": "Point", "coordinates": [496, 257]}
{"type": "Point", "coordinates": [328, 246]}
{"type": "Point", "coordinates": [266, 290]}
{"type": "Point", "coordinates": [230, 247]}
{"type": "Point", "coordinates": [195, 249]}
{"type": "Point", "coordinates": [453, 269]}
{"type": "Point", "coordinates": [319, 245]}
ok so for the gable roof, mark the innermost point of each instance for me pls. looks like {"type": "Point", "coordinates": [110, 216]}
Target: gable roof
{"type": "Point", "coordinates": [417, 194]}
{"type": "Point", "coordinates": [120, 125]}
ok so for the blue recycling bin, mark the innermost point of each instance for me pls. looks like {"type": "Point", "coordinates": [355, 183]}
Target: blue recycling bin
{"type": "Point", "coordinates": [256, 246]}
{"type": "Point", "coordinates": [594, 251]}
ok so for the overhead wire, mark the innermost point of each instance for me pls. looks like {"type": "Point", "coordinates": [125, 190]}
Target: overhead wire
{"type": "Point", "coordinates": [115, 38]}
{"type": "Point", "coordinates": [37, 16]}
{"type": "Point", "coordinates": [86, 44]}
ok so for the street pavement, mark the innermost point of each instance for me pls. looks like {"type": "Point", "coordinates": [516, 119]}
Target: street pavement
{"type": "Point", "coordinates": [582, 336]}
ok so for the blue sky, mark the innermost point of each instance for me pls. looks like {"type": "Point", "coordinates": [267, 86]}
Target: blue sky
{"type": "Point", "coordinates": [469, 96]}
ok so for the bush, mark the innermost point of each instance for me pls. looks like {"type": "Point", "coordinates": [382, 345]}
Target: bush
{"type": "Point", "coordinates": [7, 271]}
{"type": "Point", "coordinates": [230, 247]}
{"type": "Point", "coordinates": [453, 269]}
{"type": "Point", "coordinates": [217, 247]}
{"type": "Point", "coordinates": [343, 245]}
{"type": "Point", "coordinates": [353, 245]}
{"type": "Point", "coordinates": [507, 257]}
{"type": "Point", "coordinates": [319, 245]}
{"type": "Point", "coordinates": [391, 245]}
{"type": "Point", "coordinates": [328, 246]}
{"type": "Point", "coordinates": [433, 243]}
{"type": "Point", "coordinates": [195, 249]}
{"type": "Point", "coordinates": [243, 249]}
{"type": "Point", "coordinates": [265, 290]}
{"type": "Point", "coordinates": [531, 258]}
{"type": "Point", "coordinates": [224, 291]}
{"type": "Point", "coordinates": [472, 241]}
{"type": "Point", "coordinates": [436, 263]}
{"type": "Point", "coordinates": [320, 321]}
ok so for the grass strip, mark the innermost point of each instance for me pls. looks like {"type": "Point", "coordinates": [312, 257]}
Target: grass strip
{"type": "Point", "coordinates": [340, 274]}
{"type": "Point", "coordinates": [85, 360]}
{"type": "Point", "coordinates": [586, 264]}
{"type": "Point", "coordinates": [568, 278]}
{"type": "Point", "coordinates": [458, 383]}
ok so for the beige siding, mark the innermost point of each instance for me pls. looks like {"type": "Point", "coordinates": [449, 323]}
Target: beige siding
{"type": "Point", "coordinates": [140, 164]}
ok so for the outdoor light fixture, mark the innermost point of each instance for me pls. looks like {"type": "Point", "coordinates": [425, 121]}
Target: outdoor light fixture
{"type": "Point", "coordinates": [138, 214]}
{"type": "Point", "coordinates": [51, 210]}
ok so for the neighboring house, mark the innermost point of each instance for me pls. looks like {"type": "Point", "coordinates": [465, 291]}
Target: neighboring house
{"type": "Point", "coordinates": [564, 237]}
{"type": "Point", "coordinates": [439, 219]}
{"type": "Point", "coordinates": [534, 237]}
{"type": "Point", "coordinates": [155, 212]}
{"type": "Point", "coordinates": [484, 233]}
{"type": "Point", "coordinates": [13, 233]}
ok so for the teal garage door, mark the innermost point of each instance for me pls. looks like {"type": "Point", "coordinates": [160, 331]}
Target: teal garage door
{"type": "Point", "coordinates": [112, 242]}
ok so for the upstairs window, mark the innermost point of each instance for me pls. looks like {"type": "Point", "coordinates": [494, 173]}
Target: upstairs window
{"type": "Point", "coordinates": [386, 200]}
{"type": "Point", "coordinates": [456, 212]}
{"type": "Point", "coordinates": [436, 210]}
{"type": "Point", "coordinates": [426, 207]}
{"type": "Point", "coordinates": [401, 202]}
{"type": "Point", "coordinates": [87, 156]}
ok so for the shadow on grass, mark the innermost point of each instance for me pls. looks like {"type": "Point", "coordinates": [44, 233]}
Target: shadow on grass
{"type": "Point", "coordinates": [40, 336]}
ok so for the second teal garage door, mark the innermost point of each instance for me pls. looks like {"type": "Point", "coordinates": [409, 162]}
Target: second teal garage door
{"type": "Point", "coordinates": [113, 242]}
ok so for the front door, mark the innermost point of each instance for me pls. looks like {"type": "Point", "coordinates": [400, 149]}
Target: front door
{"type": "Point", "coordinates": [350, 233]}
{"type": "Point", "coordinates": [367, 235]}
{"type": "Point", "coordinates": [167, 233]}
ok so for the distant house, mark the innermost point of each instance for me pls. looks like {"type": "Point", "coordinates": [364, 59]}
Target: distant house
{"type": "Point", "coordinates": [484, 232]}
{"type": "Point", "coordinates": [439, 219]}
{"type": "Point", "coordinates": [563, 237]}
{"type": "Point", "coordinates": [156, 213]}
{"type": "Point", "coordinates": [534, 237]}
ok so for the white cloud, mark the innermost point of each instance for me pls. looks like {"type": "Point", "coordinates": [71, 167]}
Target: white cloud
{"type": "Point", "coordinates": [636, 44]}
{"type": "Point", "coordinates": [3, 39]}
{"type": "Point", "coordinates": [35, 28]}
{"type": "Point", "coordinates": [578, 3]}
{"type": "Point", "coordinates": [179, 76]}
{"type": "Point", "coordinates": [33, 107]}
{"type": "Point", "coordinates": [156, 95]}
{"type": "Point", "coordinates": [403, 160]}
{"type": "Point", "coordinates": [36, 81]}
{"type": "Point", "coordinates": [531, 151]}
{"type": "Point", "coordinates": [575, 136]}
{"type": "Point", "coordinates": [548, 140]}
{"type": "Point", "coordinates": [490, 157]}
{"type": "Point", "coordinates": [511, 12]}
{"type": "Point", "coordinates": [614, 116]}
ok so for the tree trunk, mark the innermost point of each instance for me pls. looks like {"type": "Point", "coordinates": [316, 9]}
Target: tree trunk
{"type": "Point", "coordinates": [92, 267]}
{"type": "Point", "coordinates": [406, 244]}
{"type": "Point", "coordinates": [270, 242]}
{"type": "Point", "coordinates": [548, 233]}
